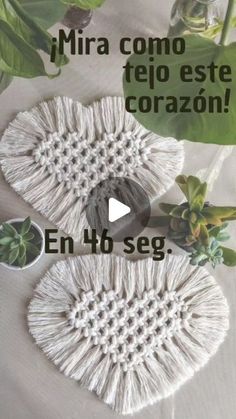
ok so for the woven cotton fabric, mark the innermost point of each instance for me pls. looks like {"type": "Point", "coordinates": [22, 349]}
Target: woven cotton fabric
{"type": "Point", "coordinates": [55, 154]}
{"type": "Point", "coordinates": [132, 332]}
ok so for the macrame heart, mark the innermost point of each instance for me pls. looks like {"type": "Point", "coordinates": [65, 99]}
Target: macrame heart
{"type": "Point", "coordinates": [132, 332]}
{"type": "Point", "coordinates": [55, 154]}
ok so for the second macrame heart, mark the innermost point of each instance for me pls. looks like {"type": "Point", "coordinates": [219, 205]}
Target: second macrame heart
{"type": "Point", "coordinates": [132, 332]}
{"type": "Point", "coordinates": [55, 154]}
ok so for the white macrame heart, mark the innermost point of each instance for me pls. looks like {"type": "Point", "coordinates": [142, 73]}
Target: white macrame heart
{"type": "Point", "coordinates": [55, 154]}
{"type": "Point", "coordinates": [132, 332]}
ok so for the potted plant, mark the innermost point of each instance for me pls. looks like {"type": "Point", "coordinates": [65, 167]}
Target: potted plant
{"type": "Point", "coordinates": [21, 243]}
{"type": "Point", "coordinates": [197, 226]}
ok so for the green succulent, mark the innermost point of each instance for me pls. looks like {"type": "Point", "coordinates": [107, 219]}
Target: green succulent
{"type": "Point", "coordinates": [212, 253]}
{"type": "Point", "coordinates": [18, 244]}
{"type": "Point", "coordinates": [196, 226]}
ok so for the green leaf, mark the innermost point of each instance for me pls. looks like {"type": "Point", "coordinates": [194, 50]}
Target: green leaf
{"type": "Point", "coordinates": [14, 245]}
{"type": "Point", "coordinates": [229, 256]}
{"type": "Point", "coordinates": [210, 219]}
{"type": "Point", "coordinates": [32, 249]}
{"type": "Point", "coordinates": [167, 208]}
{"type": "Point", "coordinates": [20, 37]}
{"type": "Point", "coordinates": [5, 80]}
{"type": "Point", "coordinates": [9, 229]}
{"type": "Point", "coordinates": [177, 212]}
{"type": "Point", "coordinates": [45, 12]}
{"type": "Point", "coordinates": [198, 198]}
{"type": "Point", "coordinates": [5, 241]}
{"type": "Point", "coordinates": [193, 185]}
{"type": "Point", "coordinates": [28, 236]}
{"type": "Point", "coordinates": [17, 57]}
{"type": "Point", "coordinates": [25, 226]}
{"type": "Point", "coordinates": [233, 218]}
{"type": "Point", "coordinates": [13, 255]}
{"type": "Point", "coordinates": [206, 127]}
{"type": "Point", "coordinates": [194, 191]}
{"type": "Point", "coordinates": [214, 231]}
{"type": "Point", "coordinates": [22, 260]}
{"type": "Point", "coordinates": [181, 181]}
{"type": "Point", "coordinates": [204, 235]}
{"type": "Point", "coordinates": [85, 4]}
{"type": "Point", "coordinates": [223, 237]}
{"type": "Point", "coordinates": [28, 29]}
{"type": "Point", "coordinates": [195, 229]}
{"type": "Point", "coordinates": [22, 250]}
{"type": "Point", "coordinates": [219, 212]}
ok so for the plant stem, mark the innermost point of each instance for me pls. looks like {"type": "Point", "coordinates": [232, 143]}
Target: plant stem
{"type": "Point", "coordinates": [226, 27]}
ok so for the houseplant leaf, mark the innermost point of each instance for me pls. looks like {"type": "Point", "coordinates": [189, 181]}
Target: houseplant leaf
{"type": "Point", "coordinates": [6, 241]}
{"type": "Point", "coordinates": [229, 256]}
{"type": "Point", "coordinates": [168, 208]}
{"type": "Point", "coordinates": [220, 212]}
{"type": "Point", "coordinates": [28, 236]}
{"type": "Point", "coordinates": [85, 4]}
{"type": "Point", "coordinates": [13, 255]}
{"type": "Point", "coordinates": [5, 80]}
{"type": "Point", "coordinates": [9, 229]}
{"type": "Point", "coordinates": [28, 29]}
{"type": "Point", "coordinates": [22, 260]}
{"type": "Point", "coordinates": [17, 57]}
{"type": "Point", "coordinates": [25, 228]}
{"type": "Point", "coordinates": [218, 128]}
{"type": "Point", "coordinates": [45, 12]}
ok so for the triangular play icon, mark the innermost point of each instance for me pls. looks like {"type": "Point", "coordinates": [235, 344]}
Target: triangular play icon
{"type": "Point", "coordinates": [117, 210]}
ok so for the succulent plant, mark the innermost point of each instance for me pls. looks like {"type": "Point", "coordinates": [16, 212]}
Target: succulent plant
{"type": "Point", "coordinates": [18, 243]}
{"type": "Point", "coordinates": [197, 226]}
{"type": "Point", "coordinates": [212, 252]}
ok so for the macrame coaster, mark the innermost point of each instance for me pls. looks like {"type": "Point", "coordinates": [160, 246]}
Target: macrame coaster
{"type": "Point", "coordinates": [132, 332]}
{"type": "Point", "coordinates": [55, 154]}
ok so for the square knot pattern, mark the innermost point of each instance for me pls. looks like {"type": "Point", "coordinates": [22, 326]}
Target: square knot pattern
{"type": "Point", "coordinates": [132, 332]}
{"type": "Point", "coordinates": [81, 165]}
{"type": "Point", "coordinates": [129, 331]}
{"type": "Point", "coordinates": [56, 154]}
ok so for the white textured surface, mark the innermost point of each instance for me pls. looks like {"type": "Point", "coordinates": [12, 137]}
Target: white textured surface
{"type": "Point", "coordinates": [58, 152]}
{"type": "Point", "coordinates": [30, 386]}
{"type": "Point", "coordinates": [132, 332]}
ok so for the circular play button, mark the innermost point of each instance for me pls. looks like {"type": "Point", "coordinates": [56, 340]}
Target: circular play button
{"type": "Point", "coordinates": [120, 206]}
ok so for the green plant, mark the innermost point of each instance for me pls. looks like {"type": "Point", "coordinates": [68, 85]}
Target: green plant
{"type": "Point", "coordinates": [206, 127]}
{"type": "Point", "coordinates": [196, 226]}
{"type": "Point", "coordinates": [5, 80]}
{"type": "Point", "coordinates": [84, 4]}
{"type": "Point", "coordinates": [23, 32]}
{"type": "Point", "coordinates": [22, 35]}
{"type": "Point", "coordinates": [18, 244]}
{"type": "Point", "coordinates": [45, 12]}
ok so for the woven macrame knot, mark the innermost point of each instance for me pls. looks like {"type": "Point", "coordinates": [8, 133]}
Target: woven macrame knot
{"type": "Point", "coordinates": [128, 330]}
{"type": "Point", "coordinates": [82, 164]}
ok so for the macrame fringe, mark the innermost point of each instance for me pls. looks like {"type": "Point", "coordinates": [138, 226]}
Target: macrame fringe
{"type": "Point", "coordinates": [161, 371]}
{"type": "Point", "coordinates": [103, 121]}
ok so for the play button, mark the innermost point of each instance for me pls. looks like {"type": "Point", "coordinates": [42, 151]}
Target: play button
{"type": "Point", "coordinates": [117, 210]}
{"type": "Point", "coordinates": [120, 206]}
